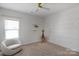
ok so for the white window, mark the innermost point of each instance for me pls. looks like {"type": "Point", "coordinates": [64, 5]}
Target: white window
{"type": "Point", "coordinates": [11, 29]}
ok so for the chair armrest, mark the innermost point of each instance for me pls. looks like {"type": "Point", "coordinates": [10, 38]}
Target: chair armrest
{"type": "Point", "coordinates": [14, 46]}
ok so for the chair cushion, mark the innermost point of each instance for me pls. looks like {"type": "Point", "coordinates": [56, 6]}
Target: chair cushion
{"type": "Point", "coordinates": [11, 42]}
{"type": "Point", "coordinates": [13, 46]}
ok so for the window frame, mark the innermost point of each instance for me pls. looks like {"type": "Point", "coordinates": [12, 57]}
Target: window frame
{"type": "Point", "coordinates": [17, 29]}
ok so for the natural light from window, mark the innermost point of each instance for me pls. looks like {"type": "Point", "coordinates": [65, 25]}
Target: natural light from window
{"type": "Point", "coordinates": [11, 29]}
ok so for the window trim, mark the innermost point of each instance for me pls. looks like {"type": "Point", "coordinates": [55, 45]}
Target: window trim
{"type": "Point", "coordinates": [17, 29]}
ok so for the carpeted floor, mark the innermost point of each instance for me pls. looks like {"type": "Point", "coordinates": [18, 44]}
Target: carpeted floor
{"type": "Point", "coordinates": [45, 49]}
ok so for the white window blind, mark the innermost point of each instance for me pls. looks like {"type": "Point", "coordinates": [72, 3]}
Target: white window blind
{"type": "Point", "coordinates": [11, 29]}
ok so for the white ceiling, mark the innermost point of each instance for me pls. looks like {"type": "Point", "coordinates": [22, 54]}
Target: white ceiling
{"type": "Point", "coordinates": [32, 7]}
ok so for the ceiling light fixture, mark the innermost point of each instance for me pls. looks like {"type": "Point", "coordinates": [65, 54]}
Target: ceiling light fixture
{"type": "Point", "coordinates": [40, 7]}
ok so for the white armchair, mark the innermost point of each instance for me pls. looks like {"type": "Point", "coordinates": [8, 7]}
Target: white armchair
{"type": "Point", "coordinates": [10, 47]}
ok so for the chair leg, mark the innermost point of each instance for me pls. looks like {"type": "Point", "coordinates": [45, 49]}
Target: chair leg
{"type": "Point", "coordinates": [13, 54]}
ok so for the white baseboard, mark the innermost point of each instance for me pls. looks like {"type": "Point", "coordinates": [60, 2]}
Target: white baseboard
{"type": "Point", "coordinates": [29, 43]}
{"type": "Point", "coordinates": [65, 47]}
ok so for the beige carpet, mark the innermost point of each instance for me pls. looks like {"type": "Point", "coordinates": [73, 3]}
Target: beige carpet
{"type": "Point", "coordinates": [45, 49]}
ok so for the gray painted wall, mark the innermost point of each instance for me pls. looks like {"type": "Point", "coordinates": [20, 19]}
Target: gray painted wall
{"type": "Point", "coordinates": [27, 35]}
{"type": "Point", "coordinates": [63, 28]}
